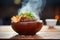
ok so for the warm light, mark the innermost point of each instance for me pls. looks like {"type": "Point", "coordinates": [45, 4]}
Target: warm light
{"type": "Point", "coordinates": [17, 1]}
{"type": "Point", "coordinates": [57, 13]}
{"type": "Point", "coordinates": [57, 17]}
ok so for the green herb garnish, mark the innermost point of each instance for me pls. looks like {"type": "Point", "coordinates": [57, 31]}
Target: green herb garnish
{"type": "Point", "coordinates": [28, 13]}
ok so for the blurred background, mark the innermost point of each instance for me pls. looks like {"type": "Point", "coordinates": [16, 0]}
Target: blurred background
{"type": "Point", "coordinates": [9, 8]}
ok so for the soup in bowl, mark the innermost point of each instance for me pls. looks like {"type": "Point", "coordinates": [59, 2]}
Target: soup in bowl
{"type": "Point", "coordinates": [25, 25]}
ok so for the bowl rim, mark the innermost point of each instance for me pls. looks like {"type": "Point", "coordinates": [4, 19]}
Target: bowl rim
{"type": "Point", "coordinates": [50, 19]}
{"type": "Point", "coordinates": [30, 21]}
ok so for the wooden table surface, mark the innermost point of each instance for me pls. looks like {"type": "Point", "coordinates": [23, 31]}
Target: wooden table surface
{"type": "Point", "coordinates": [6, 32]}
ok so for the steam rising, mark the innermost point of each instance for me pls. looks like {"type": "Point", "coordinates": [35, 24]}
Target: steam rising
{"type": "Point", "coordinates": [34, 6]}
